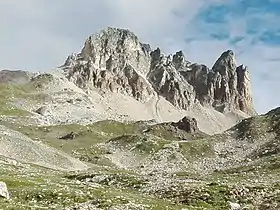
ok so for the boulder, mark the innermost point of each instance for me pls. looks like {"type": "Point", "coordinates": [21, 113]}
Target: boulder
{"type": "Point", "coordinates": [4, 190]}
{"type": "Point", "coordinates": [42, 110]}
{"type": "Point", "coordinates": [187, 124]}
{"type": "Point", "coordinates": [234, 206]}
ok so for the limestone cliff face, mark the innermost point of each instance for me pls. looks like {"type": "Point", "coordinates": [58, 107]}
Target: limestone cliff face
{"type": "Point", "coordinates": [115, 60]}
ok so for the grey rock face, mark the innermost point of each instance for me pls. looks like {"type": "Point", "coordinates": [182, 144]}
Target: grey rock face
{"type": "Point", "coordinates": [224, 87]}
{"type": "Point", "coordinates": [168, 81]}
{"type": "Point", "coordinates": [115, 60]}
{"type": "Point", "coordinates": [244, 102]}
{"type": "Point", "coordinates": [112, 60]}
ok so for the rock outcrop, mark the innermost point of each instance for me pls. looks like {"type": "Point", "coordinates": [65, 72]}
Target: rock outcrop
{"type": "Point", "coordinates": [187, 124]}
{"type": "Point", "coordinates": [115, 60]}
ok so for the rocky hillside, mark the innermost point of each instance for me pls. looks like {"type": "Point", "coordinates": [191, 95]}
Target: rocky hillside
{"type": "Point", "coordinates": [122, 126]}
{"type": "Point", "coordinates": [115, 60]}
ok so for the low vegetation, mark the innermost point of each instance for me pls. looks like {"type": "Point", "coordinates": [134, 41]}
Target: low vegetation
{"type": "Point", "coordinates": [252, 182]}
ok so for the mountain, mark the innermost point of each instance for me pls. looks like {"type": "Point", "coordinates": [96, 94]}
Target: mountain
{"type": "Point", "coordinates": [122, 126]}
{"type": "Point", "coordinates": [115, 61]}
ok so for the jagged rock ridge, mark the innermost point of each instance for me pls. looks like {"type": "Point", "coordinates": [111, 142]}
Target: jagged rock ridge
{"type": "Point", "coordinates": [115, 60]}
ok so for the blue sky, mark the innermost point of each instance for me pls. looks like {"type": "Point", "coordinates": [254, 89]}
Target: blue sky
{"type": "Point", "coordinates": [252, 29]}
{"type": "Point", "coordinates": [38, 35]}
{"type": "Point", "coordinates": [260, 19]}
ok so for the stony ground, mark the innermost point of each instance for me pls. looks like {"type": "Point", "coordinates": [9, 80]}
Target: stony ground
{"type": "Point", "coordinates": [131, 165]}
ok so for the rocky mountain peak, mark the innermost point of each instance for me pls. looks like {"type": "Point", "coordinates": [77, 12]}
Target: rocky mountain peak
{"type": "Point", "coordinates": [226, 63]}
{"type": "Point", "coordinates": [115, 60]}
{"type": "Point", "coordinates": [179, 60]}
{"type": "Point", "coordinates": [111, 40]}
